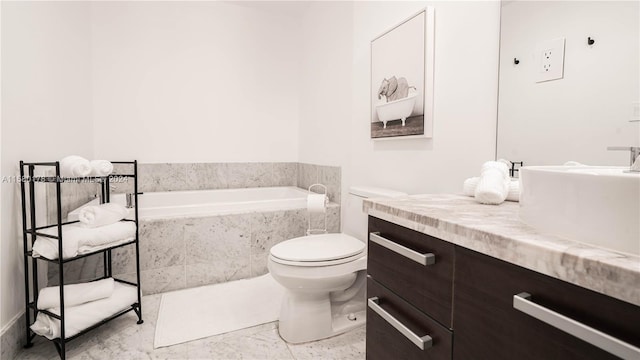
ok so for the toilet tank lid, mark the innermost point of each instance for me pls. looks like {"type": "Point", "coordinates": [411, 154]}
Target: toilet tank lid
{"type": "Point", "coordinates": [373, 192]}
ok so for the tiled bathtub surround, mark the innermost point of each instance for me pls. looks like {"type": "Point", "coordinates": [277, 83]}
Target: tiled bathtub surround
{"type": "Point", "coordinates": [204, 176]}
{"type": "Point", "coordinates": [330, 176]}
{"type": "Point", "coordinates": [186, 252]}
{"type": "Point", "coordinates": [189, 176]}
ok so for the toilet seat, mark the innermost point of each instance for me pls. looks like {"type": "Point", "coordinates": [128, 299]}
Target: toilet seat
{"type": "Point", "coordinates": [318, 250]}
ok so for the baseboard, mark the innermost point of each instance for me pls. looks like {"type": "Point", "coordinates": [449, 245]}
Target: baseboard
{"type": "Point", "coordinates": [12, 337]}
{"type": "Point", "coordinates": [11, 323]}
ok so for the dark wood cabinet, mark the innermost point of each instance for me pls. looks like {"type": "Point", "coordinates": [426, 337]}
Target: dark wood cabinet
{"type": "Point", "coordinates": [486, 325]}
{"type": "Point", "coordinates": [427, 287]}
{"type": "Point", "coordinates": [465, 302]}
{"type": "Point", "coordinates": [384, 341]}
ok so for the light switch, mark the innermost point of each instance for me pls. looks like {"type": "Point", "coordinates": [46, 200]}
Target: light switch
{"type": "Point", "coordinates": [635, 111]}
{"type": "Point", "coordinates": [550, 60]}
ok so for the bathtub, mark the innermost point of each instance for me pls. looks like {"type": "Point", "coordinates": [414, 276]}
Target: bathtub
{"type": "Point", "coordinates": [398, 109]}
{"type": "Point", "coordinates": [210, 202]}
{"type": "Point", "coordinates": [203, 237]}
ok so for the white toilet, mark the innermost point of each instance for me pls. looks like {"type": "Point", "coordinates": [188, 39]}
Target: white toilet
{"type": "Point", "coordinates": [324, 276]}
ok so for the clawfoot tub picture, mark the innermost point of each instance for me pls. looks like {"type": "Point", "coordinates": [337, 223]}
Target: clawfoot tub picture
{"type": "Point", "coordinates": [402, 79]}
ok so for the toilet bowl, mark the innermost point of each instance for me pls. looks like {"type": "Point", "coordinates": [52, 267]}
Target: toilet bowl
{"type": "Point", "coordinates": [324, 277]}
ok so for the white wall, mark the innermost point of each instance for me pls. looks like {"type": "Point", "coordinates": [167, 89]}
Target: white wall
{"type": "Point", "coordinates": [326, 83]}
{"type": "Point", "coordinates": [46, 114]}
{"type": "Point", "coordinates": [577, 117]}
{"type": "Point", "coordinates": [195, 82]}
{"type": "Point", "coordinates": [466, 67]}
{"type": "Point", "coordinates": [186, 82]}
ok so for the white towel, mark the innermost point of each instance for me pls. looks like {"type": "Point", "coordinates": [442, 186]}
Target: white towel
{"type": "Point", "coordinates": [573, 163]}
{"type": "Point", "coordinates": [78, 318]}
{"type": "Point", "coordinates": [75, 166]}
{"type": "Point", "coordinates": [101, 215]}
{"type": "Point", "coordinates": [80, 240]}
{"type": "Point", "coordinates": [101, 167]}
{"type": "Point", "coordinates": [469, 188]}
{"type": "Point", "coordinates": [493, 186]}
{"type": "Point", "coordinates": [75, 294]}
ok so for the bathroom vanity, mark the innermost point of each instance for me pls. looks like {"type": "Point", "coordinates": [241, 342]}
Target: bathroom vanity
{"type": "Point", "coordinates": [453, 279]}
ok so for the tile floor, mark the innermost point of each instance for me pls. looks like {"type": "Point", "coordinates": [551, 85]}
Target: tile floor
{"type": "Point", "coordinates": [123, 339]}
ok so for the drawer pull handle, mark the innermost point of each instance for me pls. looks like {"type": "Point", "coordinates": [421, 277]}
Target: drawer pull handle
{"type": "Point", "coordinates": [583, 332]}
{"type": "Point", "coordinates": [423, 342]}
{"type": "Point", "coordinates": [424, 259]}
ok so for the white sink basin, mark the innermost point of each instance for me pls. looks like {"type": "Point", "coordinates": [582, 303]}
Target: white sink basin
{"type": "Point", "coordinates": [591, 204]}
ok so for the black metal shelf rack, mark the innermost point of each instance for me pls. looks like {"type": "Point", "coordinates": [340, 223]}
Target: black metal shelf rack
{"type": "Point", "coordinates": [30, 232]}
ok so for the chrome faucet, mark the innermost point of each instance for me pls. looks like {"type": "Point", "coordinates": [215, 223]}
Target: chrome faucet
{"type": "Point", "coordinates": [99, 193]}
{"type": "Point", "coordinates": [131, 200]}
{"type": "Point", "coordinates": [634, 165]}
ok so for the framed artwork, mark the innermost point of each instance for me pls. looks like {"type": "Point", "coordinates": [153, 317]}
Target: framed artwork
{"type": "Point", "coordinates": [402, 79]}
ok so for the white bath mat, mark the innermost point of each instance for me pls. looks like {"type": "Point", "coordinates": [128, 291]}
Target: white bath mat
{"type": "Point", "coordinates": [196, 313]}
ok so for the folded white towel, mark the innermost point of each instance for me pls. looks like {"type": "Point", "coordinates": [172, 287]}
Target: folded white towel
{"type": "Point", "coordinates": [75, 166]}
{"type": "Point", "coordinates": [75, 294]}
{"type": "Point", "coordinates": [493, 185]}
{"type": "Point", "coordinates": [101, 215]}
{"type": "Point", "coordinates": [101, 167]}
{"type": "Point", "coordinates": [469, 188]}
{"type": "Point", "coordinates": [80, 317]}
{"type": "Point", "coordinates": [78, 240]}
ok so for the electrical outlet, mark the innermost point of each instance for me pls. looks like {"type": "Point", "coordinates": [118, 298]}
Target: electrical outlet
{"type": "Point", "coordinates": [550, 60]}
{"type": "Point", "coordinates": [547, 60]}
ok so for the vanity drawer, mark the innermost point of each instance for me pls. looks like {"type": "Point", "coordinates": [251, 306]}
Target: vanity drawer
{"type": "Point", "coordinates": [396, 260]}
{"type": "Point", "coordinates": [386, 312]}
{"type": "Point", "coordinates": [494, 318]}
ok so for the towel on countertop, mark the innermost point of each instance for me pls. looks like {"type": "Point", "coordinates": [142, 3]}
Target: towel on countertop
{"type": "Point", "coordinates": [101, 167]}
{"type": "Point", "coordinates": [469, 188]}
{"type": "Point", "coordinates": [100, 215]}
{"type": "Point", "coordinates": [80, 317]}
{"type": "Point", "coordinates": [493, 186]}
{"type": "Point", "coordinates": [78, 240]}
{"type": "Point", "coordinates": [75, 294]}
{"type": "Point", "coordinates": [75, 166]}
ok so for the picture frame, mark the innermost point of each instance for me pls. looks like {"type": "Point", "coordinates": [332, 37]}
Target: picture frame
{"type": "Point", "coordinates": [402, 74]}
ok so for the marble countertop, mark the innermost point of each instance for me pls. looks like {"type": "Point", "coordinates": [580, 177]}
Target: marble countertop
{"type": "Point", "coordinates": [497, 231]}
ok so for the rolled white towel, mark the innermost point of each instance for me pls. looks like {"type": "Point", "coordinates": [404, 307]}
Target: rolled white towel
{"type": "Point", "coordinates": [493, 185]}
{"type": "Point", "coordinates": [75, 166]}
{"type": "Point", "coordinates": [76, 294]}
{"type": "Point", "coordinates": [101, 215]}
{"type": "Point", "coordinates": [469, 188]}
{"type": "Point", "coordinates": [101, 167]}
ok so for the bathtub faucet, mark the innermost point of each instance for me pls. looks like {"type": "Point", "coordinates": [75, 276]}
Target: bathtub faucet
{"type": "Point", "coordinates": [100, 196]}
{"type": "Point", "coordinates": [131, 200]}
